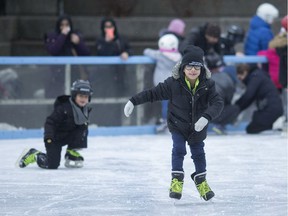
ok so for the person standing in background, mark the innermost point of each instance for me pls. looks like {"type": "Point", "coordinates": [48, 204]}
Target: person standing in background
{"type": "Point", "coordinates": [279, 42]}
{"type": "Point", "coordinates": [260, 34]}
{"type": "Point", "coordinates": [177, 28]}
{"type": "Point", "coordinates": [64, 41]}
{"type": "Point", "coordinates": [110, 43]}
{"type": "Point", "coordinates": [166, 57]}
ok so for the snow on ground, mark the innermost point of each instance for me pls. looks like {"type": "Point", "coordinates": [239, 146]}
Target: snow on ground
{"type": "Point", "coordinates": [130, 175]}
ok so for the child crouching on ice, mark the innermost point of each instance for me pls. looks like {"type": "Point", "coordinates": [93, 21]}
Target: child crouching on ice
{"type": "Point", "coordinates": [193, 102]}
{"type": "Point", "coordinates": [67, 125]}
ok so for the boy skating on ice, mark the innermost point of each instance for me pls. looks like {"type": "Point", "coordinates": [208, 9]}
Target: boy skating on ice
{"type": "Point", "coordinates": [193, 102]}
{"type": "Point", "coordinates": [67, 125]}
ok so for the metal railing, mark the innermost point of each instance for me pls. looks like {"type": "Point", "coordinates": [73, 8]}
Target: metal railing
{"type": "Point", "coordinates": [135, 60]}
{"type": "Point", "coordinates": [139, 61]}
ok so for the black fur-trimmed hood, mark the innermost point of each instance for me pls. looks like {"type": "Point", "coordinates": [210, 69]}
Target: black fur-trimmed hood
{"type": "Point", "coordinates": [177, 70]}
{"type": "Point", "coordinates": [61, 100]}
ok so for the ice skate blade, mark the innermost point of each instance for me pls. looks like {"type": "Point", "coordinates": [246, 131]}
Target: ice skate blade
{"type": "Point", "coordinates": [73, 164]}
{"type": "Point", "coordinates": [209, 197]}
{"type": "Point", "coordinates": [175, 201]}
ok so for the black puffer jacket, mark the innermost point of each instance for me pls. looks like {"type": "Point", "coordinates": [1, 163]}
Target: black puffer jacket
{"type": "Point", "coordinates": [184, 108]}
{"type": "Point", "coordinates": [260, 89]}
{"type": "Point", "coordinates": [61, 128]}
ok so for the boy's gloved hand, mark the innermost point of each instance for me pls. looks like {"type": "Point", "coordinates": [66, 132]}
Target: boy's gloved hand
{"type": "Point", "coordinates": [200, 124]}
{"type": "Point", "coordinates": [128, 109]}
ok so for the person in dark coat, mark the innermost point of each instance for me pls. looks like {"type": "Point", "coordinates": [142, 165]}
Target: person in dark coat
{"type": "Point", "coordinates": [206, 37]}
{"type": "Point", "coordinates": [259, 89]}
{"type": "Point", "coordinates": [110, 43]}
{"type": "Point", "coordinates": [193, 102]}
{"type": "Point", "coordinates": [64, 41]}
{"type": "Point", "coordinates": [226, 87]}
{"type": "Point", "coordinates": [67, 125]}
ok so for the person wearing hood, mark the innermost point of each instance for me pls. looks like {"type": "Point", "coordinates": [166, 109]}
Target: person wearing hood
{"type": "Point", "coordinates": [66, 125]}
{"type": "Point", "coordinates": [259, 89]}
{"type": "Point", "coordinates": [166, 57]}
{"type": "Point", "coordinates": [193, 102]}
{"type": "Point", "coordinates": [260, 34]}
{"type": "Point", "coordinates": [110, 43]}
{"type": "Point", "coordinates": [64, 41]}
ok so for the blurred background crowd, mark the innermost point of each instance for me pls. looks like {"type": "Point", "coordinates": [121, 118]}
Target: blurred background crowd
{"type": "Point", "coordinates": [159, 30]}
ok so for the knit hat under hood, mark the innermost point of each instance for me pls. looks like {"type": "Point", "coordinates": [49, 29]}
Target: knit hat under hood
{"type": "Point", "coordinates": [193, 55]}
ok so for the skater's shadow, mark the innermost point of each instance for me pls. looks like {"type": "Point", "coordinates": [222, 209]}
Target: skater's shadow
{"type": "Point", "coordinates": [191, 204]}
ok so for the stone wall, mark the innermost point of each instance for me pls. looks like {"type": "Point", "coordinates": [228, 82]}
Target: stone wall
{"type": "Point", "coordinates": [140, 8]}
{"type": "Point", "coordinates": [167, 8]}
{"type": "Point", "coordinates": [25, 36]}
{"type": "Point", "coordinates": [27, 21]}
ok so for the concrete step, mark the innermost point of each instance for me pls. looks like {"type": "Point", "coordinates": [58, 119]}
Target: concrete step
{"type": "Point", "coordinates": [8, 28]}
{"type": "Point", "coordinates": [134, 28]}
{"type": "Point", "coordinates": [37, 48]}
{"type": "Point", "coordinates": [147, 8]}
{"type": "Point", "coordinates": [28, 31]}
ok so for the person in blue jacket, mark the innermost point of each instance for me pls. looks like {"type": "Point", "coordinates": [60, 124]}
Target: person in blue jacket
{"type": "Point", "coordinates": [260, 33]}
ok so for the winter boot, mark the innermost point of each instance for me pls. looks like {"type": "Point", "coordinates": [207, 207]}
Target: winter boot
{"type": "Point", "coordinates": [176, 185]}
{"type": "Point", "coordinates": [202, 186]}
{"type": "Point", "coordinates": [28, 157]}
{"type": "Point", "coordinates": [73, 159]}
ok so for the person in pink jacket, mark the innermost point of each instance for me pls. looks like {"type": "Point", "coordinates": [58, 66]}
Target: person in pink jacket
{"type": "Point", "coordinates": [272, 67]}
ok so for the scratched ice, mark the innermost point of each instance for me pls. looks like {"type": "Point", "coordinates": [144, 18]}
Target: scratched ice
{"type": "Point", "coordinates": [130, 175]}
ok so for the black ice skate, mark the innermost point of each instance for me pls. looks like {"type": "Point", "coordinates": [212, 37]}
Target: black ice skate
{"type": "Point", "coordinates": [73, 159]}
{"type": "Point", "coordinates": [176, 185]}
{"type": "Point", "coordinates": [202, 186]}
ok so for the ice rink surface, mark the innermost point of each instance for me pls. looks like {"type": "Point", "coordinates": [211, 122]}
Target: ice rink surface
{"type": "Point", "coordinates": [130, 175]}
